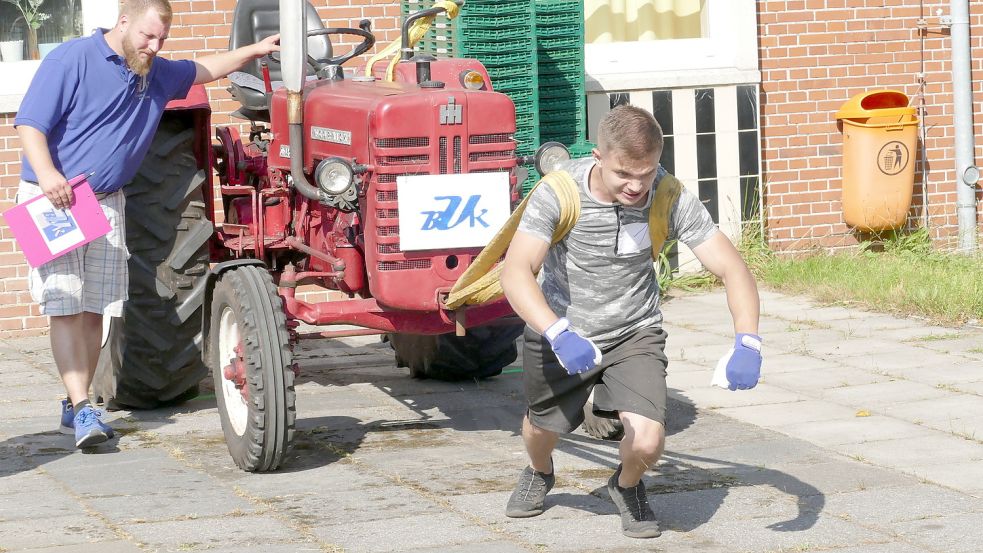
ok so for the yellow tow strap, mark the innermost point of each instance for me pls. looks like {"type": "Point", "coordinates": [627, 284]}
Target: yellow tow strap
{"type": "Point", "coordinates": [480, 282]}
{"type": "Point", "coordinates": [417, 31]}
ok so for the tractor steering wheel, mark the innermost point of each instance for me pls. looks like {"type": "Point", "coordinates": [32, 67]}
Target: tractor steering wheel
{"type": "Point", "coordinates": [368, 40]}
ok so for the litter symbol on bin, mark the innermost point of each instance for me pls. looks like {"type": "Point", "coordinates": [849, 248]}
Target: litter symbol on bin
{"type": "Point", "coordinates": [893, 158]}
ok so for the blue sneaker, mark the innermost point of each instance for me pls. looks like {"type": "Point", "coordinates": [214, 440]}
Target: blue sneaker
{"type": "Point", "coordinates": [67, 418]}
{"type": "Point", "coordinates": [89, 430]}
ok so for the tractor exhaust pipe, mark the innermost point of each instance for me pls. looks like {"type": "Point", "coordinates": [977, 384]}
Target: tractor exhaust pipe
{"type": "Point", "coordinates": [293, 46]}
{"type": "Point", "coordinates": [295, 120]}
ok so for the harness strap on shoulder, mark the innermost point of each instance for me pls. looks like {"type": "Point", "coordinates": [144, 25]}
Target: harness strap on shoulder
{"type": "Point", "coordinates": [666, 195]}
{"type": "Point", "coordinates": [480, 282]}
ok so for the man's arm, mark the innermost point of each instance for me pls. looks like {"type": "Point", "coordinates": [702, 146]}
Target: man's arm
{"type": "Point", "coordinates": [721, 258]}
{"type": "Point", "coordinates": [523, 260]}
{"type": "Point", "coordinates": [52, 182]}
{"type": "Point", "coordinates": [217, 66]}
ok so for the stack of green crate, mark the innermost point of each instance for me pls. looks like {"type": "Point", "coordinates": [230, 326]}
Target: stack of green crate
{"type": "Point", "coordinates": [501, 35]}
{"type": "Point", "coordinates": [560, 64]}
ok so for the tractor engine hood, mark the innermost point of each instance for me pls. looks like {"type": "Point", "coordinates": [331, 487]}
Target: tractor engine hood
{"type": "Point", "coordinates": [355, 120]}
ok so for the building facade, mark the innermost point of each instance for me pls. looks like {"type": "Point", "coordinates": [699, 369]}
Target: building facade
{"type": "Point", "coordinates": [745, 91]}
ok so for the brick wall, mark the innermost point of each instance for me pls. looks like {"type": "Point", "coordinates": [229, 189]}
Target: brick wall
{"type": "Point", "coordinates": [816, 54]}
{"type": "Point", "coordinates": [199, 28]}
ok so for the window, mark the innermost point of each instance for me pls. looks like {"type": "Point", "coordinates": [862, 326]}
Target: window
{"type": "Point", "coordinates": [60, 20]}
{"type": "Point", "coordinates": [648, 44]}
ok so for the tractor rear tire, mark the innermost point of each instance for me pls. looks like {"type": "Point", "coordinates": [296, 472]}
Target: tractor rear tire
{"type": "Point", "coordinates": [600, 427]}
{"type": "Point", "coordinates": [481, 353]}
{"type": "Point", "coordinates": [153, 354]}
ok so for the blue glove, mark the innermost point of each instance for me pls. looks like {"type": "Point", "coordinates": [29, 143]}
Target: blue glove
{"type": "Point", "coordinates": [574, 352]}
{"type": "Point", "coordinates": [743, 363]}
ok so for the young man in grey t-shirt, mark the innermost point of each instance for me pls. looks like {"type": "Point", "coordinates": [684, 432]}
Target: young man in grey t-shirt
{"type": "Point", "coordinates": [593, 319]}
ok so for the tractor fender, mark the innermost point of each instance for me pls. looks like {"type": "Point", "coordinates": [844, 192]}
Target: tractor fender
{"type": "Point", "coordinates": [206, 307]}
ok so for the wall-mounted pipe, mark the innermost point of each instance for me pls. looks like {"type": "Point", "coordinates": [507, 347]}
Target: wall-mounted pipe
{"type": "Point", "coordinates": [967, 174]}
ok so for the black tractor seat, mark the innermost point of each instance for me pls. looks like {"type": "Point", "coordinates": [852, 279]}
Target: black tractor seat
{"type": "Point", "coordinates": [252, 21]}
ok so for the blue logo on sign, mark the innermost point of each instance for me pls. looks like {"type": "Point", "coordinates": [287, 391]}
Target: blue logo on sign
{"type": "Point", "coordinates": [56, 223]}
{"type": "Point", "coordinates": [449, 217]}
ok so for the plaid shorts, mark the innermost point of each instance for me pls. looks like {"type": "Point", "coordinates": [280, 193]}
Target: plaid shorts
{"type": "Point", "coordinates": [91, 278]}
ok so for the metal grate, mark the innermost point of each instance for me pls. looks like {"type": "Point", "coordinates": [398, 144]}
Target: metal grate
{"type": "Point", "coordinates": [457, 155]}
{"type": "Point", "coordinates": [389, 248]}
{"type": "Point", "coordinates": [490, 156]}
{"type": "Point", "coordinates": [387, 214]}
{"type": "Point", "coordinates": [404, 160]}
{"type": "Point", "coordinates": [489, 138]}
{"type": "Point", "coordinates": [404, 265]}
{"type": "Point", "coordinates": [386, 196]}
{"type": "Point", "coordinates": [415, 142]}
{"type": "Point", "coordinates": [442, 154]}
{"type": "Point", "coordinates": [388, 231]}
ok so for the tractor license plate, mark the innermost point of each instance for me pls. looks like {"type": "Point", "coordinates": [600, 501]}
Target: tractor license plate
{"type": "Point", "coordinates": [451, 211]}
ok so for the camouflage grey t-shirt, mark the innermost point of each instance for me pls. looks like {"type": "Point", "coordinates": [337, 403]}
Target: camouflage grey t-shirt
{"type": "Point", "coordinates": [601, 276]}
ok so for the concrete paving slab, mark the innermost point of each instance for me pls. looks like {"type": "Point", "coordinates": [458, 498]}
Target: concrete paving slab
{"type": "Point", "coordinates": [406, 532]}
{"type": "Point", "coordinates": [783, 414]}
{"type": "Point", "coordinates": [760, 471]}
{"type": "Point", "coordinates": [832, 433]}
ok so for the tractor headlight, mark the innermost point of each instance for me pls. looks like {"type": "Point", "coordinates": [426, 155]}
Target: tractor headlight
{"type": "Point", "coordinates": [549, 156]}
{"type": "Point", "coordinates": [472, 80]}
{"type": "Point", "coordinates": [334, 176]}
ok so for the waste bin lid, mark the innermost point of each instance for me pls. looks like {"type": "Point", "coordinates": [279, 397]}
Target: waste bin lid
{"type": "Point", "coordinates": [875, 103]}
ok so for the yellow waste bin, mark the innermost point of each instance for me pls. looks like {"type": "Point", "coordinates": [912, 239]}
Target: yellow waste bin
{"type": "Point", "coordinates": [880, 133]}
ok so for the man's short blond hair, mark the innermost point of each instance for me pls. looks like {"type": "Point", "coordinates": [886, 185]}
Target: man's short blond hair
{"type": "Point", "coordinates": [631, 131]}
{"type": "Point", "coordinates": [136, 8]}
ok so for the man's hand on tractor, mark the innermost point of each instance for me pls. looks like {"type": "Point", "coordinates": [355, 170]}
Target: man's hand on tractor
{"type": "Point", "coordinates": [267, 46]}
{"type": "Point", "coordinates": [57, 189]}
{"type": "Point", "coordinates": [575, 353]}
{"type": "Point", "coordinates": [740, 368]}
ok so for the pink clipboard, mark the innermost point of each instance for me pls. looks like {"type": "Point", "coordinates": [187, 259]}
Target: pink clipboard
{"type": "Point", "coordinates": [44, 233]}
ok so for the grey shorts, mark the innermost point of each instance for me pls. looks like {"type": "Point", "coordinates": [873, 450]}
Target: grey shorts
{"type": "Point", "coordinates": [92, 278]}
{"type": "Point", "coordinates": [630, 378]}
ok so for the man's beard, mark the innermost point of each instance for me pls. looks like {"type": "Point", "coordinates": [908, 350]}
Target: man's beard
{"type": "Point", "coordinates": [137, 63]}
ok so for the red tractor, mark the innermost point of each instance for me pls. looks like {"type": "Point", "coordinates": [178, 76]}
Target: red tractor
{"type": "Point", "coordinates": [381, 192]}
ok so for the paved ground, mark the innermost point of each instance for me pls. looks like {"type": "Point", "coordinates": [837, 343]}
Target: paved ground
{"type": "Point", "coordinates": [866, 435]}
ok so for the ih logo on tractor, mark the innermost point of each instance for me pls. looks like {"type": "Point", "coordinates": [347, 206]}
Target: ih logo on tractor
{"type": "Point", "coordinates": [451, 113]}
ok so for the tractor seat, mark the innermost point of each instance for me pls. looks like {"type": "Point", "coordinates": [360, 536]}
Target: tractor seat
{"type": "Point", "coordinates": [252, 21]}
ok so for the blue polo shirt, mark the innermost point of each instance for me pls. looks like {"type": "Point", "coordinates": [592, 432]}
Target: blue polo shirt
{"type": "Point", "coordinates": [98, 115]}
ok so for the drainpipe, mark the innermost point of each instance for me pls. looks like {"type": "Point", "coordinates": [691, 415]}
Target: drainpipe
{"type": "Point", "coordinates": [967, 174]}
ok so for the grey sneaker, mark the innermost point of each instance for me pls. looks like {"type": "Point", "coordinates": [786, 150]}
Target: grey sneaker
{"type": "Point", "coordinates": [637, 518]}
{"type": "Point", "coordinates": [530, 493]}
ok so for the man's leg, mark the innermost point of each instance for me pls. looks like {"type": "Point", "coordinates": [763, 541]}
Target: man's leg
{"type": "Point", "coordinates": [643, 444]}
{"type": "Point", "coordinates": [70, 348]}
{"type": "Point", "coordinates": [536, 480]}
{"type": "Point", "coordinates": [539, 445]}
{"type": "Point", "coordinates": [640, 449]}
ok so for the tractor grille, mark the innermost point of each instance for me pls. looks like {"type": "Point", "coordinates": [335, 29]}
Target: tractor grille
{"type": "Point", "coordinates": [404, 265]}
{"type": "Point", "coordinates": [416, 142]}
{"type": "Point", "coordinates": [489, 138]}
{"type": "Point", "coordinates": [443, 155]}
{"type": "Point", "coordinates": [490, 156]}
{"type": "Point", "coordinates": [415, 159]}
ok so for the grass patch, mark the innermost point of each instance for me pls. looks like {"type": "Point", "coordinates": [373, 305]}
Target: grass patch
{"type": "Point", "coordinates": [901, 274]}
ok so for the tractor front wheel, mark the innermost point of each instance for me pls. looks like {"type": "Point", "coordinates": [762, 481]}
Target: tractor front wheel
{"type": "Point", "coordinates": [252, 366]}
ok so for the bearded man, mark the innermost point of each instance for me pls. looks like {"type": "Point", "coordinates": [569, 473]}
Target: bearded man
{"type": "Point", "coordinates": [93, 108]}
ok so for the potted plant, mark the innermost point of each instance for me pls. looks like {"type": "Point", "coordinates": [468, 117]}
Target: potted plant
{"type": "Point", "coordinates": [33, 16]}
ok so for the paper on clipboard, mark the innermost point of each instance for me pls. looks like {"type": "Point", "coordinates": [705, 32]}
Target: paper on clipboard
{"type": "Point", "coordinates": [44, 232]}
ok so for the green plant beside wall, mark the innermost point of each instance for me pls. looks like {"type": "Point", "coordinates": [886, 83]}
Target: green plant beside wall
{"type": "Point", "coordinates": [33, 17]}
